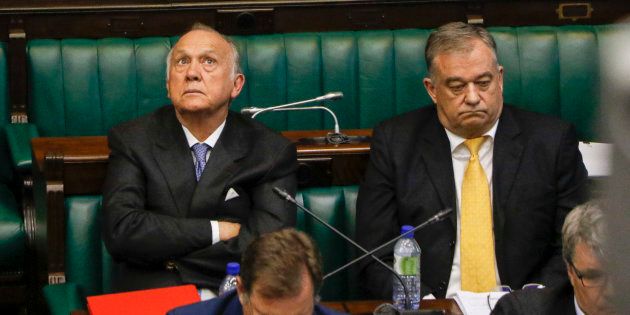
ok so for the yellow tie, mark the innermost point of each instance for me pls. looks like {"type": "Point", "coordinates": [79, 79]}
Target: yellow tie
{"type": "Point", "coordinates": [477, 243]}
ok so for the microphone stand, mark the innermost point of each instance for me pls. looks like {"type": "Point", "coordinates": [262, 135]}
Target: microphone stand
{"type": "Point", "coordinates": [335, 137]}
{"type": "Point", "coordinates": [441, 215]}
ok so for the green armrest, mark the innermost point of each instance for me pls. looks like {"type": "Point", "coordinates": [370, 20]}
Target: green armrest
{"type": "Point", "coordinates": [12, 235]}
{"type": "Point", "coordinates": [63, 298]}
{"type": "Point", "coordinates": [19, 138]}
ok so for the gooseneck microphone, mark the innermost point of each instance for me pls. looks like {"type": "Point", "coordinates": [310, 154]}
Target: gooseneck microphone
{"type": "Point", "coordinates": [336, 137]}
{"type": "Point", "coordinates": [441, 215]}
{"type": "Point", "coordinates": [437, 217]}
{"type": "Point", "coordinates": [254, 111]}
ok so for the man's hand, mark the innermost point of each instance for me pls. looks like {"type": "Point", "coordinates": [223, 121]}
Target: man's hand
{"type": "Point", "coordinates": [228, 230]}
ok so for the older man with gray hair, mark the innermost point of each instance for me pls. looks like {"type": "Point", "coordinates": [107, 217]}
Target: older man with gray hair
{"type": "Point", "coordinates": [590, 290]}
{"type": "Point", "coordinates": [189, 186]}
{"type": "Point", "coordinates": [510, 175]}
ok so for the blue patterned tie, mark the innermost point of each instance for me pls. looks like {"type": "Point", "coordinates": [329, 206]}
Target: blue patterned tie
{"type": "Point", "coordinates": [200, 149]}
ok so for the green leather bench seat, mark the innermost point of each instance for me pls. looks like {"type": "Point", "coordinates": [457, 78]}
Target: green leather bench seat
{"type": "Point", "coordinates": [86, 86]}
{"type": "Point", "coordinates": [88, 263]}
{"type": "Point", "coordinates": [12, 233]}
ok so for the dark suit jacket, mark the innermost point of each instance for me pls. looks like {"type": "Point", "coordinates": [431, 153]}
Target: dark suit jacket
{"type": "Point", "coordinates": [538, 177]}
{"type": "Point", "coordinates": [156, 214]}
{"type": "Point", "coordinates": [229, 304]}
{"type": "Point", "coordinates": [548, 301]}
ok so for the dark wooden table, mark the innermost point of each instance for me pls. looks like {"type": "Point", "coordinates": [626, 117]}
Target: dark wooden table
{"type": "Point", "coordinates": [84, 159]}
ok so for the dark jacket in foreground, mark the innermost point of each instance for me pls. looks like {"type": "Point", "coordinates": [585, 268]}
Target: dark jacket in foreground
{"type": "Point", "coordinates": [156, 215]}
{"type": "Point", "coordinates": [548, 301]}
{"type": "Point", "coordinates": [538, 177]}
{"type": "Point", "coordinates": [229, 304]}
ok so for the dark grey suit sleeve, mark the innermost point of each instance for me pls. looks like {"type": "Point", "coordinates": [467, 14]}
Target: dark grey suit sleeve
{"type": "Point", "coordinates": [130, 231]}
{"type": "Point", "coordinates": [571, 190]}
{"type": "Point", "coordinates": [133, 233]}
{"type": "Point", "coordinates": [269, 212]}
{"type": "Point", "coordinates": [509, 304]}
{"type": "Point", "coordinates": [377, 220]}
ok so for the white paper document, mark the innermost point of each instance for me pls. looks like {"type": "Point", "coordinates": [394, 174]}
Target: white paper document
{"type": "Point", "coordinates": [472, 303]}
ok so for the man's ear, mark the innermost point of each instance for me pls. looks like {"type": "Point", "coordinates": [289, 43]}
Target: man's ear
{"type": "Point", "coordinates": [501, 78]}
{"type": "Point", "coordinates": [240, 290]}
{"type": "Point", "coordinates": [239, 81]}
{"type": "Point", "coordinates": [430, 87]}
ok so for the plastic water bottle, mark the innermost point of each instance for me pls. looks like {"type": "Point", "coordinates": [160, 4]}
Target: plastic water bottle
{"type": "Point", "coordinates": [407, 265]}
{"type": "Point", "coordinates": [229, 282]}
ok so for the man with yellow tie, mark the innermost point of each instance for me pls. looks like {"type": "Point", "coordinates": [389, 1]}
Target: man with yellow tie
{"type": "Point", "coordinates": [512, 176]}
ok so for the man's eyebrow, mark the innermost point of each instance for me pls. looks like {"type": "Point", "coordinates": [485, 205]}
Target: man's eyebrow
{"type": "Point", "coordinates": [484, 75]}
{"type": "Point", "coordinates": [454, 79]}
{"type": "Point", "coordinates": [186, 52]}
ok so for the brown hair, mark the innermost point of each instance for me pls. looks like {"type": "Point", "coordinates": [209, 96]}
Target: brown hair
{"type": "Point", "coordinates": [276, 260]}
{"type": "Point", "coordinates": [456, 37]}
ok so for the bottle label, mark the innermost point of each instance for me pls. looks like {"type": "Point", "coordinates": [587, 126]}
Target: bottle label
{"type": "Point", "coordinates": [407, 266]}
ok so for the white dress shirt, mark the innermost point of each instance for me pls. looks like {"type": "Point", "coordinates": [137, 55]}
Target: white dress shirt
{"type": "Point", "coordinates": [460, 156]}
{"type": "Point", "coordinates": [211, 141]}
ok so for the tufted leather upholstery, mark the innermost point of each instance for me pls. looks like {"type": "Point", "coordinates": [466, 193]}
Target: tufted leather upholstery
{"type": "Point", "coordinates": [88, 263]}
{"type": "Point", "coordinates": [337, 206]}
{"type": "Point", "coordinates": [83, 87]}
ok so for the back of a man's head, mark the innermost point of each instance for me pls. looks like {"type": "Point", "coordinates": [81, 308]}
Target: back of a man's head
{"type": "Point", "coordinates": [275, 262]}
{"type": "Point", "coordinates": [584, 224]}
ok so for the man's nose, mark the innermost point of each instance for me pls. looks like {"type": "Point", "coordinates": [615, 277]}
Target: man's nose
{"type": "Point", "coordinates": [192, 72]}
{"type": "Point", "coordinates": [472, 94]}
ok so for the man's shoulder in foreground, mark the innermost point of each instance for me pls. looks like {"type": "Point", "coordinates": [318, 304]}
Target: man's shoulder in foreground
{"type": "Point", "coordinates": [230, 304]}
{"type": "Point", "coordinates": [226, 304]}
{"type": "Point", "coordinates": [548, 301]}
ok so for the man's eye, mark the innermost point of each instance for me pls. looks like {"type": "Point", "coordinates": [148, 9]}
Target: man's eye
{"type": "Point", "coordinates": [182, 61]}
{"type": "Point", "coordinates": [456, 88]}
{"type": "Point", "coordinates": [208, 61]}
{"type": "Point", "coordinates": [483, 84]}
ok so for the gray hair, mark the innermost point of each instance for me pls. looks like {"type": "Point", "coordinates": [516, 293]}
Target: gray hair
{"type": "Point", "coordinates": [236, 67]}
{"type": "Point", "coordinates": [585, 224]}
{"type": "Point", "coordinates": [456, 37]}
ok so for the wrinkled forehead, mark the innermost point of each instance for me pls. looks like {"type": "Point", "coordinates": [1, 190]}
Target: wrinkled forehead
{"type": "Point", "coordinates": [201, 40]}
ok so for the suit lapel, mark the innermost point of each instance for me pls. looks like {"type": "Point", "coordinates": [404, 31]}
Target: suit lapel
{"type": "Point", "coordinates": [508, 150]}
{"type": "Point", "coordinates": [231, 146]}
{"type": "Point", "coordinates": [171, 151]}
{"type": "Point", "coordinates": [436, 153]}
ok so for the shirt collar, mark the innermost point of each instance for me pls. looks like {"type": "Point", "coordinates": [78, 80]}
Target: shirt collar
{"type": "Point", "coordinates": [456, 140]}
{"type": "Point", "coordinates": [211, 140]}
{"type": "Point", "coordinates": [578, 310]}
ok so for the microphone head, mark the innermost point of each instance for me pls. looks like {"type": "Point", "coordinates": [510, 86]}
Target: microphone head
{"type": "Point", "coordinates": [282, 193]}
{"type": "Point", "coordinates": [333, 95]}
{"type": "Point", "coordinates": [444, 213]}
{"type": "Point", "coordinates": [249, 110]}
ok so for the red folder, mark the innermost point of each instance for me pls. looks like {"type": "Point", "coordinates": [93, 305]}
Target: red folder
{"type": "Point", "coordinates": [145, 302]}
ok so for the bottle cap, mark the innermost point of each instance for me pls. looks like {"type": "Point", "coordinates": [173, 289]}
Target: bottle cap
{"type": "Point", "coordinates": [405, 229]}
{"type": "Point", "coordinates": [233, 268]}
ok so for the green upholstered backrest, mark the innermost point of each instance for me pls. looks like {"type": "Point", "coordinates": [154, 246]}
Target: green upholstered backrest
{"type": "Point", "coordinates": [88, 264]}
{"type": "Point", "coordinates": [5, 118]}
{"type": "Point", "coordinates": [335, 205]}
{"type": "Point", "coordinates": [83, 87]}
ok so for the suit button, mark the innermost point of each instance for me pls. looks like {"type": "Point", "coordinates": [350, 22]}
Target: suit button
{"type": "Point", "coordinates": [451, 244]}
{"type": "Point", "coordinates": [171, 266]}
